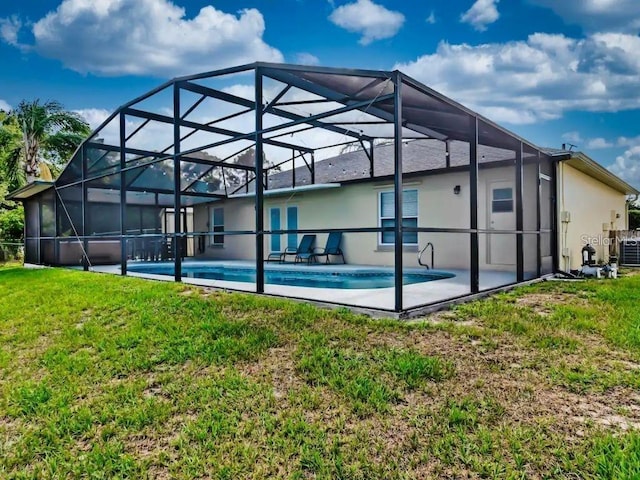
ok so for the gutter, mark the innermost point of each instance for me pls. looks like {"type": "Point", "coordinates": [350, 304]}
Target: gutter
{"type": "Point", "coordinates": [602, 173]}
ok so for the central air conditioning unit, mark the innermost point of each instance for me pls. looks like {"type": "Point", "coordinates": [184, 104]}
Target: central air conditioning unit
{"type": "Point", "coordinates": [630, 252]}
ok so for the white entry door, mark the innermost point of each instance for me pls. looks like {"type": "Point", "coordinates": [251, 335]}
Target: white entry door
{"type": "Point", "coordinates": [502, 216]}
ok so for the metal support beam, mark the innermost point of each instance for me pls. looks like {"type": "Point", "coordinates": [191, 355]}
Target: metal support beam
{"type": "Point", "coordinates": [56, 225]}
{"type": "Point", "coordinates": [195, 105]}
{"type": "Point", "coordinates": [304, 159]}
{"type": "Point", "coordinates": [313, 168]}
{"type": "Point", "coordinates": [473, 205]}
{"type": "Point", "coordinates": [554, 216]}
{"type": "Point", "coordinates": [234, 136]}
{"type": "Point", "coordinates": [293, 168]}
{"type": "Point", "coordinates": [447, 153]}
{"type": "Point", "coordinates": [209, 124]}
{"type": "Point", "coordinates": [371, 156]}
{"type": "Point", "coordinates": [275, 100]}
{"type": "Point", "coordinates": [227, 97]}
{"type": "Point", "coordinates": [177, 227]}
{"type": "Point", "coordinates": [85, 216]}
{"type": "Point", "coordinates": [330, 113]}
{"type": "Point", "coordinates": [140, 127]}
{"type": "Point", "coordinates": [123, 194]}
{"type": "Point", "coordinates": [538, 216]}
{"type": "Point", "coordinates": [519, 215]}
{"type": "Point", "coordinates": [222, 163]}
{"type": "Point", "coordinates": [381, 113]}
{"type": "Point", "coordinates": [454, 106]}
{"type": "Point", "coordinates": [259, 205]}
{"type": "Point", "coordinates": [397, 190]}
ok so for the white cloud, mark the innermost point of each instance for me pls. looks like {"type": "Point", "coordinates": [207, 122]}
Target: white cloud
{"type": "Point", "coordinates": [598, 144]}
{"type": "Point", "coordinates": [481, 14]}
{"type": "Point", "coordinates": [628, 142]}
{"type": "Point", "coordinates": [9, 29]}
{"type": "Point", "coordinates": [147, 37]}
{"type": "Point", "coordinates": [305, 58]}
{"type": "Point", "coordinates": [598, 15]}
{"type": "Point", "coordinates": [627, 165]}
{"type": "Point", "coordinates": [93, 116]}
{"type": "Point", "coordinates": [573, 137]}
{"type": "Point", "coordinates": [372, 21]}
{"type": "Point", "coordinates": [431, 19]}
{"type": "Point", "coordinates": [4, 105]}
{"type": "Point", "coordinates": [536, 79]}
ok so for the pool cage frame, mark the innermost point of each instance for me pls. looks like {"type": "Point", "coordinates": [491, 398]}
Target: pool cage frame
{"type": "Point", "coordinates": [389, 105]}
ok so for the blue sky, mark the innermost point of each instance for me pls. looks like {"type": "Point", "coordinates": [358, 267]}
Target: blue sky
{"type": "Point", "coordinates": [552, 71]}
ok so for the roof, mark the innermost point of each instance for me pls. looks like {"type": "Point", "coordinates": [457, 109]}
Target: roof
{"type": "Point", "coordinates": [30, 190]}
{"type": "Point", "coordinates": [587, 165]}
{"type": "Point", "coordinates": [425, 155]}
{"type": "Point", "coordinates": [417, 156]}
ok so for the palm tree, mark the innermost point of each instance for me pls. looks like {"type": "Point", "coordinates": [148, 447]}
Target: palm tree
{"type": "Point", "coordinates": [36, 139]}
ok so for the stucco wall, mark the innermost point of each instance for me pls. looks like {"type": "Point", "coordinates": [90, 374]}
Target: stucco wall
{"type": "Point", "coordinates": [357, 205]}
{"type": "Point", "coordinates": [592, 206]}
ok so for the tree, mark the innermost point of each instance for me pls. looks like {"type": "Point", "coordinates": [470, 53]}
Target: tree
{"type": "Point", "coordinates": [12, 224]}
{"type": "Point", "coordinates": [36, 139]}
{"type": "Point", "coordinates": [634, 219]}
{"type": "Point", "coordinates": [215, 180]}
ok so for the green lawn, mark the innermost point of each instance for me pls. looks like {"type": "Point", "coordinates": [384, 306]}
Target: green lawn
{"type": "Point", "coordinates": [109, 377]}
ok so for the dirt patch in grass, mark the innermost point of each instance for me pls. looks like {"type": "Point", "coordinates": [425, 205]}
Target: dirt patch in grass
{"type": "Point", "coordinates": [277, 367]}
{"type": "Point", "coordinates": [543, 303]}
{"type": "Point", "coordinates": [617, 409]}
{"type": "Point", "coordinates": [508, 373]}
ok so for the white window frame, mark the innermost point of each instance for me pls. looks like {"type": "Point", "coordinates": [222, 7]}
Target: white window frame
{"type": "Point", "coordinates": [212, 238]}
{"type": "Point", "coordinates": [381, 218]}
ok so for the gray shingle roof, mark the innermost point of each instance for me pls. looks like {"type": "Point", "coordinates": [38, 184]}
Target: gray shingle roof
{"type": "Point", "coordinates": [417, 155]}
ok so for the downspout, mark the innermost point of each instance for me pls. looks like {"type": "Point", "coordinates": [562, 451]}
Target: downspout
{"type": "Point", "coordinates": [563, 227]}
{"type": "Point", "coordinates": [627, 205]}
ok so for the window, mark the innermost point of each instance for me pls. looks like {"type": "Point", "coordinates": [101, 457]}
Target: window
{"type": "Point", "coordinates": [275, 225]}
{"type": "Point", "coordinates": [217, 225]}
{"type": "Point", "coordinates": [409, 218]}
{"type": "Point", "coordinates": [502, 201]}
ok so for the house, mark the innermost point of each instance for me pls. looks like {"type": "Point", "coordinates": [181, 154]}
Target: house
{"type": "Point", "coordinates": [424, 182]}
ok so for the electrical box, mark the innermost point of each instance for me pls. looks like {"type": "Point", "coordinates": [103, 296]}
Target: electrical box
{"type": "Point", "coordinates": [566, 252]}
{"type": "Point", "coordinates": [606, 227]}
{"type": "Point", "coordinates": [565, 216]}
{"type": "Point", "coordinates": [614, 216]}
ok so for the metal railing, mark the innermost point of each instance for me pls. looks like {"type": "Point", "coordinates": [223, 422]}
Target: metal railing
{"type": "Point", "coordinates": [432, 256]}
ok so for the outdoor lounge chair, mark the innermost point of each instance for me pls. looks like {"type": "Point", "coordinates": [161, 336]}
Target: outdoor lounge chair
{"type": "Point", "coordinates": [332, 247]}
{"type": "Point", "coordinates": [304, 248]}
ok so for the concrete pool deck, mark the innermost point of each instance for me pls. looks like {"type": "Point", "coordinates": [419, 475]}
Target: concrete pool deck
{"type": "Point", "coordinates": [414, 295]}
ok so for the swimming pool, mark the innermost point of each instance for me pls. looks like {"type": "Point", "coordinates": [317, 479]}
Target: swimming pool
{"type": "Point", "coordinates": [299, 275]}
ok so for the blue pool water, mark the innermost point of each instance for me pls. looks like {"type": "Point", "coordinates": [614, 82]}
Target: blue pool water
{"type": "Point", "coordinates": [295, 275]}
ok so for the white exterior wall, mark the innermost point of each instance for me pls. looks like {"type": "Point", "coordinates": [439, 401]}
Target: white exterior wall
{"type": "Point", "coordinates": [592, 207]}
{"type": "Point", "coordinates": [357, 205]}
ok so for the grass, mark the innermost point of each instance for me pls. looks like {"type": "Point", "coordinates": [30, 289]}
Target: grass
{"type": "Point", "coordinates": [109, 377]}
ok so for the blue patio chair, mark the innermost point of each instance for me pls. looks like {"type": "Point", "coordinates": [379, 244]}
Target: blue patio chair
{"type": "Point", "coordinates": [304, 248]}
{"type": "Point", "coordinates": [332, 247]}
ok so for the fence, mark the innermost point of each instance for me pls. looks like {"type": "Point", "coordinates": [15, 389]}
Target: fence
{"type": "Point", "coordinates": [11, 250]}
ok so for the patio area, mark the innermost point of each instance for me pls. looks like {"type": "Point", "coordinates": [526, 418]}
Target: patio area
{"type": "Point", "coordinates": [414, 295]}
